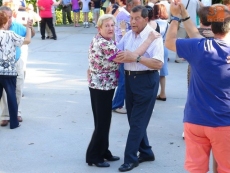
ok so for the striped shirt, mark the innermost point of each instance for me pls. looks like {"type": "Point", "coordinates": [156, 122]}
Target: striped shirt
{"type": "Point", "coordinates": [131, 42]}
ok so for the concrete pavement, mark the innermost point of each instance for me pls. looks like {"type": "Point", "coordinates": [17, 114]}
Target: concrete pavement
{"type": "Point", "coordinates": [58, 120]}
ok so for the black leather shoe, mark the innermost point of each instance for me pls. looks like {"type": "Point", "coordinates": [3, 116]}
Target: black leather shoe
{"type": "Point", "coordinates": [113, 158]}
{"type": "Point", "coordinates": [127, 166]}
{"type": "Point", "coordinates": [102, 165]}
{"type": "Point", "coordinates": [55, 38]}
{"type": "Point", "coordinates": [146, 158]}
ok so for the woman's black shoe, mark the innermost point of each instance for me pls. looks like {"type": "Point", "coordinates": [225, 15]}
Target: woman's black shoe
{"type": "Point", "coordinates": [48, 37]}
{"type": "Point", "coordinates": [103, 164]}
{"type": "Point", "coordinates": [113, 158]}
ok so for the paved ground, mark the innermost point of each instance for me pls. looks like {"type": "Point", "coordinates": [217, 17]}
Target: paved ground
{"type": "Point", "coordinates": [58, 120]}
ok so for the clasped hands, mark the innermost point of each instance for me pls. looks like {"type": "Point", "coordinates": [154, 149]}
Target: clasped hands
{"type": "Point", "coordinates": [178, 9]}
{"type": "Point", "coordinates": [127, 56]}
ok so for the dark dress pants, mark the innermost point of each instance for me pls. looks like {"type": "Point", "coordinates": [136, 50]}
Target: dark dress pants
{"type": "Point", "coordinates": [141, 92]}
{"type": "Point", "coordinates": [49, 22]}
{"type": "Point", "coordinates": [98, 149]}
{"type": "Point", "coordinates": [66, 10]}
{"type": "Point", "coordinates": [9, 84]}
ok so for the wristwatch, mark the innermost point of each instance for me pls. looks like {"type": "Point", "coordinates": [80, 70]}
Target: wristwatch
{"type": "Point", "coordinates": [175, 18]}
{"type": "Point", "coordinates": [138, 59]}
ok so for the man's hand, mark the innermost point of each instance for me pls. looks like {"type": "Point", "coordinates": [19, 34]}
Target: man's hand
{"type": "Point", "coordinates": [123, 25]}
{"type": "Point", "coordinates": [184, 13]}
{"type": "Point", "coordinates": [88, 74]}
{"type": "Point", "coordinates": [29, 23]}
{"type": "Point", "coordinates": [41, 8]}
{"type": "Point", "coordinates": [175, 9]}
{"type": "Point", "coordinates": [125, 57]}
{"type": "Point", "coordinates": [208, 33]}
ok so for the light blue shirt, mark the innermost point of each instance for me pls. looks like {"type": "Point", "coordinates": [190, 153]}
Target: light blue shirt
{"type": "Point", "coordinates": [130, 41]}
{"type": "Point", "coordinates": [20, 30]}
{"type": "Point", "coordinates": [66, 2]}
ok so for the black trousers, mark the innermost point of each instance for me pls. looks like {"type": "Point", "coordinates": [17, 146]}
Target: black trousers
{"type": "Point", "coordinates": [98, 149]}
{"type": "Point", "coordinates": [49, 22]}
{"type": "Point", "coordinates": [9, 84]}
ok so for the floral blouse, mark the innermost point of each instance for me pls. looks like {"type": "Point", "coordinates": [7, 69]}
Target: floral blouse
{"type": "Point", "coordinates": [8, 43]}
{"type": "Point", "coordinates": [103, 72]}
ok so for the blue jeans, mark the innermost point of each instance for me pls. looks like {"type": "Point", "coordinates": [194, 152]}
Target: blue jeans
{"type": "Point", "coordinates": [118, 100]}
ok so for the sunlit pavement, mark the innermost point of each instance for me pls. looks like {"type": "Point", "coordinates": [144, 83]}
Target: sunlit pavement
{"type": "Point", "coordinates": [58, 122]}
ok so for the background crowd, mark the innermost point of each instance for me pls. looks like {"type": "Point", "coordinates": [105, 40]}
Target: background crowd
{"type": "Point", "coordinates": [137, 29]}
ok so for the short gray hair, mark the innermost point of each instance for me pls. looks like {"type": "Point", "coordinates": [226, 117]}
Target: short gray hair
{"type": "Point", "coordinates": [105, 17]}
{"type": "Point", "coordinates": [5, 8]}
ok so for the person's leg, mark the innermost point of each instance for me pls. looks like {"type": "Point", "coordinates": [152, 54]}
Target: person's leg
{"type": "Point", "coordinates": [101, 102]}
{"type": "Point", "coordinates": [48, 32]}
{"type": "Point", "coordinates": [10, 87]}
{"type": "Point", "coordinates": [50, 24]}
{"type": "Point", "coordinates": [74, 19]}
{"type": "Point", "coordinates": [78, 17]}
{"type": "Point", "coordinates": [19, 84]}
{"type": "Point", "coordinates": [87, 20]}
{"type": "Point", "coordinates": [163, 73]}
{"type": "Point", "coordinates": [84, 19]}
{"type": "Point", "coordinates": [198, 148]}
{"type": "Point", "coordinates": [4, 106]}
{"type": "Point", "coordinates": [180, 34]}
{"type": "Point", "coordinates": [118, 100]}
{"type": "Point", "coordinates": [42, 27]}
{"type": "Point", "coordinates": [69, 14]}
{"type": "Point", "coordinates": [139, 110]}
{"type": "Point", "coordinates": [64, 15]}
{"type": "Point", "coordinates": [96, 15]}
{"type": "Point", "coordinates": [214, 165]}
{"type": "Point", "coordinates": [220, 142]}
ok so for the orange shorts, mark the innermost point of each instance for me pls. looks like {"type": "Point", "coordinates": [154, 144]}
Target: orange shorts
{"type": "Point", "coordinates": [200, 140]}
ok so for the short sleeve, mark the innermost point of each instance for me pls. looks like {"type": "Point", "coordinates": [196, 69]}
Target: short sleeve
{"type": "Point", "coordinates": [108, 48]}
{"type": "Point", "coordinates": [17, 40]}
{"type": "Point", "coordinates": [186, 48]}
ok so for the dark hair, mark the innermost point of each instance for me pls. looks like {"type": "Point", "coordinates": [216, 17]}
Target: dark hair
{"type": "Point", "coordinates": [114, 8]}
{"type": "Point", "coordinates": [3, 18]}
{"type": "Point", "coordinates": [203, 13]}
{"type": "Point", "coordinates": [226, 2]}
{"type": "Point", "coordinates": [142, 9]}
{"type": "Point", "coordinates": [160, 12]}
{"type": "Point", "coordinates": [150, 12]}
{"type": "Point", "coordinates": [221, 28]}
{"type": "Point", "coordinates": [112, 1]}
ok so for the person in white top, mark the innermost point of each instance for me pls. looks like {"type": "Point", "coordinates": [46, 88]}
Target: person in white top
{"type": "Point", "coordinates": [192, 7]}
{"type": "Point", "coordinates": [141, 82]}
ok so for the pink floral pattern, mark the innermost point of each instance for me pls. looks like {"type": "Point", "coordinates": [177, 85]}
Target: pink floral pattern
{"type": "Point", "coordinates": [102, 71]}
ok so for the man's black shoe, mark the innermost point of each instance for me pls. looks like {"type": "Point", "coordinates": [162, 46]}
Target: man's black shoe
{"type": "Point", "coordinates": [146, 158]}
{"type": "Point", "coordinates": [127, 166]}
{"type": "Point", "coordinates": [112, 158]}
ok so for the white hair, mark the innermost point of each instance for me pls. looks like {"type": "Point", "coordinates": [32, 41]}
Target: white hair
{"type": "Point", "coordinates": [105, 17]}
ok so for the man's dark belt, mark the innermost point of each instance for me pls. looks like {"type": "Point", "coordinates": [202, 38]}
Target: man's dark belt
{"type": "Point", "coordinates": [127, 72]}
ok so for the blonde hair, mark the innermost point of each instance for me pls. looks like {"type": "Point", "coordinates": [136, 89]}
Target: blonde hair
{"type": "Point", "coordinates": [105, 17]}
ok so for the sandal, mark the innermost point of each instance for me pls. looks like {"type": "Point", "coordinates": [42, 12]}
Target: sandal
{"type": "Point", "coordinates": [20, 119]}
{"type": "Point", "coordinates": [159, 98]}
{"type": "Point", "coordinates": [4, 122]}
